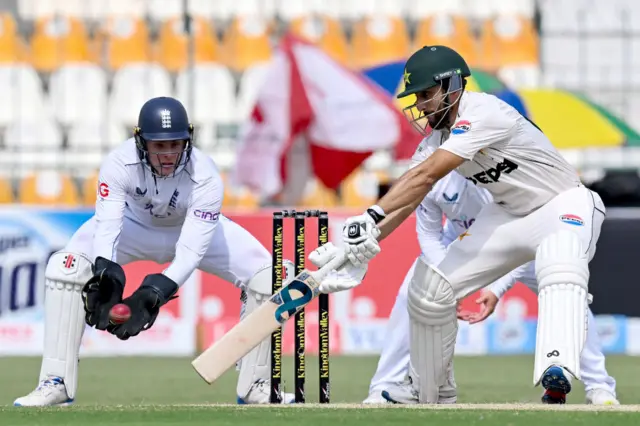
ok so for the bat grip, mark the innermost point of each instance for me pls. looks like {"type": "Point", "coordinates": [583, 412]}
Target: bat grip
{"type": "Point", "coordinates": [335, 263]}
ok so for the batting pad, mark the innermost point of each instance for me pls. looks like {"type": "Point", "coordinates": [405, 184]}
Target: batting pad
{"type": "Point", "coordinates": [65, 276]}
{"type": "Point", "coordinates": [434, 327]}
{"type": "Point", "coordinates": [256, 364]}
{"type": "Point", "coordinates": [562, 271]}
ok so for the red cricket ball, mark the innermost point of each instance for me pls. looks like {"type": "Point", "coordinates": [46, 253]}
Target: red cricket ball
{"type": "Point", "coordinates": [120, 313]}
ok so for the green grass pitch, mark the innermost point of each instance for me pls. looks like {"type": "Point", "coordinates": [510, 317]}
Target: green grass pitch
{"type": "Point", "coordinates": [166, 391]}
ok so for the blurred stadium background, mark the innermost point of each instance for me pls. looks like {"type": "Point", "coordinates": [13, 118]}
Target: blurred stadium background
{"type": "Point", "coordinates": [74, 73]}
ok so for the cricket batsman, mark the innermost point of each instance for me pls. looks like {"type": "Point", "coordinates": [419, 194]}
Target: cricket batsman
{"type": "Point", "coordinates": [540, 211]}
{"type": "Point", "coordinates": [159, 199]}
{"type": "Point", "coordinates": [460, 202]}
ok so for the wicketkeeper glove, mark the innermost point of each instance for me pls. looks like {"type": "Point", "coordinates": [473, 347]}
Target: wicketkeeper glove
{"type": "Point", "coordinates": [155, 291]}
{"type": "Point", "coordinates": [102, 291]}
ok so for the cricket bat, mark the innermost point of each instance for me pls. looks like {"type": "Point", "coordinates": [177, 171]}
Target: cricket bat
{"type": "Point", "coordinates": [258, 326]}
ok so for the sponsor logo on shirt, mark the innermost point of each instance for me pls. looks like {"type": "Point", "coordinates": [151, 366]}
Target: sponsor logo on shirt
{"type": "Point", "coordinates": [572, 219]}
{"type": "Point", "coordinates": [205, 215]}
{"type": "Point", "coordinates": [103, 190]}
{"type": "Point", "coordinates": [462, 126]}
{"type": "Point", "coordinates": [450, 200]}
{"type": "Point", "coordinates": [493, 174]}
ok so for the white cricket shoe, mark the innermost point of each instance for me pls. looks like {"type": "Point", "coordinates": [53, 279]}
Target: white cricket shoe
{"type": "Point", "coordinates": [375, 397]}
{"type": "Point", "coordinates": [601, 397]}
{"type": "Point", "coordinates": [260, 392]}
{"type": "Point", "coordinates": [405, 393]}
{"type": "Point", "coordinates": [51, 391]}
{"type": "Point", "coordinates": [401, 393]}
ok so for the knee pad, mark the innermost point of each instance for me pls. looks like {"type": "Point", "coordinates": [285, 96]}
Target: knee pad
{"type": "Point", "coordinates": [432, 309]}
{"type": "Point", "coordinates": [65, 276]}
{"type": "Point", "coordinates": [562, 272]}
{"type": "Point", "coordinates": [256, 364]}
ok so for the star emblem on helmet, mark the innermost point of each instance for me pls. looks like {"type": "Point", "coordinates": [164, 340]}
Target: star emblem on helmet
{"type": "Point", "coordinates": [406, 76]}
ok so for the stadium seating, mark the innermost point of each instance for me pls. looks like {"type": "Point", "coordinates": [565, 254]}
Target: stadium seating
{"type": "Point", "coordinates": [173, 50]}
{"type": "Point", "coordinates": [246, 42]}
{"type": "Point", "coordinates": [6, 191]}
{"type": "Point", "coordinates": [379, 39]}
{"type": "Point", "coordinates": [90, 190]}
{"type": "Point", "coordinates": [74, 73]}
{"type": "Point", "coordinates": [12, 46]}
{"type": "Point", "coordinates": [449, 30]}
{"type": "Point", "coordinates": [58, 39]}
{"type": "Point", "coordinates": [208, 90]}
{"type": "Point", "coordinates": [123, 39]}
{"type": "Point", "coordinates": [324, 32]}
{"type": "Point", "coordinates": [48, 188]}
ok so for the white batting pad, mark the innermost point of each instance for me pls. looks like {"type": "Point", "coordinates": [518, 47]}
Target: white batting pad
{"type": "Point", "coordinates": [562, 271]}
{"type": "Point", "coordinates": [257, 363]}
{"type": "Point", "coordinates": [64, 323]}
{"type": "Point", "coordinates": [434, 327]}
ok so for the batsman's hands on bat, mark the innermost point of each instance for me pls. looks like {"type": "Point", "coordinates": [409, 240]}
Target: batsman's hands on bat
{"type": "Point", "coordinates": [487, 301]}
{"type": "Point", "coordinates": [102, 292]}
{"type": "Point", "coordinates": [145, 303]}
{"type": "Point", "coordinates": [360, 235]}
{"type": "Point", "coordinates": [349, 276]}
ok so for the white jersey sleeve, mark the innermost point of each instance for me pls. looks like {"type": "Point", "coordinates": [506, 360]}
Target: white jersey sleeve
{"type": "Point", "coordinates": [502, 285]}
{"type": "Point", "coordinates": [113, 183]}
{"type": "Point", "coordinates": [203, 215]}
{"type": "Point", "coordinates": [429, 229]}
{"type": "Point", "coordinates": [428, 214]}
{"type": "Point", "coordinates": [479, 127]}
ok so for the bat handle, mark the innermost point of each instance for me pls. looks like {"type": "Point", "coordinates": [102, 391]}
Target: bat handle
{"type": "Point", "coordinates": [335, 263]}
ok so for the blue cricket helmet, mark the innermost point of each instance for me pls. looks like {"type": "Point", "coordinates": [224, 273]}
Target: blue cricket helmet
{"type": "Point", "coordinates": [163, 119]}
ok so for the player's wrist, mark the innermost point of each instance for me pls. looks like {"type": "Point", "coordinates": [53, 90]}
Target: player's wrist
{"type": "Point", "coordinates": [376, 213]}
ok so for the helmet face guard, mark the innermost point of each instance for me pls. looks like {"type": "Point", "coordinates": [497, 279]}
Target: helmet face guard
{"type": "Point", "coordinates": [145, 155]}
{"type": "Point", "coordinates": [448, 83]}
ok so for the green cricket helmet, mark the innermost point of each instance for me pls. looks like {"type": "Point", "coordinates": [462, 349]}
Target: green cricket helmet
{"type": "Point", "coordinates": [433, 66]}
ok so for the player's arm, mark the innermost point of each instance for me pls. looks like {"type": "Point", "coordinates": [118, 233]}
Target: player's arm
{"type": "Point", "coordinates": [110, 204]}
{"type": "Point", "coordinates": [430, 231]}
{"type": "Point", "coordinates": [197, 231]}
{"type": "Point", "coordinates": [106, 287]}
{"type": "Point", "coordinates": [411, 188]}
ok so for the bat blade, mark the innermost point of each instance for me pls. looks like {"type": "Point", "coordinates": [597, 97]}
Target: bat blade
{"type": "Point", "coordinates": [258, 326]}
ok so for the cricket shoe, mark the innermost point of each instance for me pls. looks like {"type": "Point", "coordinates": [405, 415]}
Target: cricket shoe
{"type": "Point", "coordinates": [601, 397]}
{"type": "Point", "coordinates": [260, 393]}
{"type": "Point", "coordinates": [557, 385]}
{"type": "Point", "coordinates": [375, 397]}
{"type": "Point", "coordinates": [405, 393]}
{"type": "Point", "coordinates": [50, 392]}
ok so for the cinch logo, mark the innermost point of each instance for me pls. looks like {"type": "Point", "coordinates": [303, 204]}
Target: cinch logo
{"type": "Point", "coordinates": [493, 174]}
{"type": "Point", "coordinates": [206, 215]}
{"type": "Point", "coordinates": [103, 190]}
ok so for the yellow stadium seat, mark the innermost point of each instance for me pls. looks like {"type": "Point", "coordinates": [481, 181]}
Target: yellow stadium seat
{"type": "Point", "coordinates": [90, 190]}
{"type": "Point", "coordinates": [379, 39]}
{"type": "Point", "coordinates": [6, 192]}
{"type": "Point", "coordinates": [317, 196]}
{"type": "Point", "coordinates": [48, 188]}
{"type": "Point", "coordinates": [448, 30]}
{"type": "Point", "coordinates": [57, 40]}
{"type": "Point", "coordinates": [246, 42]}
{"type": "Point", "coordinates": [360, 189]}
{"type": "Point", "coordinates": [326, 33]}
{"type": "Point", "coordinates": [12, 47]}
{"type": "Point", "coordinates": [173, 44]}
{"type": "Point", "coordinates": [124, 40]}
{"type": "Point", "coordinates": [509, 41]}
{"type": "Point", "coordinates": [237, 198]}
